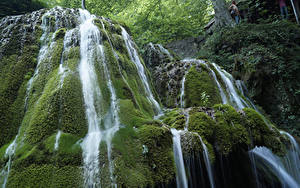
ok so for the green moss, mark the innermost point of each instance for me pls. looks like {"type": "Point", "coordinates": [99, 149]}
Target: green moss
{"type": "Point", "coordinates": [130, 116]}
{"type": "Point", "coordinates": [73, 119]}
{"type": "Point", "coordinates": [46, 176]}
{"type": "Point", "coordinates": [159, 156]}
{"type": "Point", "coordinates": [14, 71]}
{"type": "Point", "coordinates": [45, 115]}
{"type": "Point", "coordinates": [60, 33]}
{"type": "Point", "coordinates": [200, 89]}
{"type": "Point", "coordinates": [202, 124]}
{"type": "Point", "coordinates": [230, 135]}
{"type": "Point", "coordinates": [131, 168]}
{"type": "Point", "coordinates": [261, 134]}
{"type": "Point", "coordinates": [174, 119]}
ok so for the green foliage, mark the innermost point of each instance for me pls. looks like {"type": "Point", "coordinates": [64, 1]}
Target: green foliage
{"type": "Point", "coordinates": [16, 7]}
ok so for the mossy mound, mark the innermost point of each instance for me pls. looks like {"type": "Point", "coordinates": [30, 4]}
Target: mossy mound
{"type": "Point", "coordinates": [200, 89]}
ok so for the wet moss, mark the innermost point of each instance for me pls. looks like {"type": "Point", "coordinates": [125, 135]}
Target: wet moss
{"type": "Point", "coordinates": [73, 119]}
{"type": "Point", "coordinates": [14, 76]}
{"type": "Point", "coordinates": [262, 134]}
{"type": "Point", "coordinates": [159, 157]}
{"type": "Point", "coordinates": [175, 119]}
{"type": "Point", "coordinates": [229, 133]}
{"type": "Point", "coordinates": [45, 175]}
{"type": "Point", "coordinates": [60, 33]}
{"type": "Point", "coordinates": [131, 168]}
{"type": "Point", "coordinates": [200, 89]}
{"type": "Point", "coordinates": [202, 124]}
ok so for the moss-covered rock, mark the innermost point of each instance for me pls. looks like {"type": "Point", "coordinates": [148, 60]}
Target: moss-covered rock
{"type": "Point", "coordinates": [159, 157]}
{"type": "Point", "coordinates": [200, 89]}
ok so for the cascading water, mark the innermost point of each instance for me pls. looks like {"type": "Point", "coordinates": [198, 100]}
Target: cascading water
{"type": "Point", "coordinates": [89, 35]}
{"type": "Point", "coordinates": [9, 152]}
{"type": "Point", "coordinates": [276, 165]}
{"type": "Point", "coordinates": [113, 124]}
{"type": "Point", "coordinates": [291, 160]}
{"type": "Point", "coordinates": [90, 44]}
{"type": "Point", "coordinates": [182, 92]}
{"type": "Point", "coordinates": [165, 51]}
{"type": "Point", "coordinates": [57, 140]}
{"type": "Point", "coordinates": [181, 178]}
{"type": "Point", "coordinates": [141, 70]}
{"type": "Point", "coordinates": [234, 97]}
{"type": "Point", "coordinates": [207, 163]}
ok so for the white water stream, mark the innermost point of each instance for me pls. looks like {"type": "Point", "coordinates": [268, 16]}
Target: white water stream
{"type": "Point", "coordinates": [275, 164]}
{"type": "Point", "coordinates": [181, 178]}
{"type": "Point", "coordinates": [141, 70]}
{"type": "Point", "coordinates": [207, 163]}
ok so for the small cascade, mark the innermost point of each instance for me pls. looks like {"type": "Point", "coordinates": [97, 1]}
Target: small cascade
{"type": "Point", "coordinates": [207, 163]}
{"type": "Point", "coordinates": [57, 140]}
{"type": "Point", "coordinates": [292, 159]}
{"type": "Point", "coordinates": [275, 165]}
{"type": "Point", "coordinates": [141, 70]}
{"type": "Point", "coordinates": [187, 116]}
{"type": "Point", "coordinates": [112, 126]}
{"type": "Point", "coordinates": [182, 92]}
{"type": "Point", "coordinates": [42, 53]}
{"type": "Point", "coordinates": [234, 97]}
{"type": "Point", "coordinates": [165, 51]}
{"type": "Point", "coordinates": [9, 153]}
{"type": "Point", "coordinates": [89, 35]}
{"type": "Point", "coordinates": [222, 93]}
{"type": "Point", "coordinates": [242, 88]}
{"type": "Point", "coordinates": [181, 178]}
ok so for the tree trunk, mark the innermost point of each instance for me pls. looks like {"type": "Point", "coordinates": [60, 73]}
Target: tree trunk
{"type": "Point", "coordinates": [222, 16]}
{"type": "Point", "coordinates": [83, 4]}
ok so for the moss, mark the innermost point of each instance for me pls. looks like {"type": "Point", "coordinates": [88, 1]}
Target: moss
{"type": "Point", "coordinates": [45, 115]}
{"type": "Point", "coordinates": [45, 176]}
{"type": "Point", "coordinates": [261, 134]}
{"type": "Point", "coordinates": [175, 119]}
{"type": "Point", "coordinates": [73, 119]}
{"type": "Point", "coordinates": [229, 133]}
{"type": "Point", "coordinates": [131, 168]}
{"type": "Point", "coordinates": [13, 76]}
{"type": "Point", "coordinates": [130, 116]}
{"type": "Point", "coordinates": [60, 33]}
{"type": "Point", "coordinates": [202, 124]}
{"type": "Point", "coordinates": [198, 83]}
{"type": "Point", "coordinates": [159, 156]}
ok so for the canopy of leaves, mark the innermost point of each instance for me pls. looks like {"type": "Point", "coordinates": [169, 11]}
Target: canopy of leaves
{"type": "Point", "coordinates": [16, 7]}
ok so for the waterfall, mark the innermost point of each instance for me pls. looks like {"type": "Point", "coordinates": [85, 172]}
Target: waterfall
{"type": "Point", "coordinates": [181, 178]}
{"type": "Point", "coordinates": [292, 159]}
{"type": "Point", "coordinates": [91, 44]}
{"type": "Point", "coordinates": [234, 97]}
{"type": "Point", "coordinates": [141, 70]}
{"type": "Point", "coordinates": [112, 126]}
{"type": "Point", "coordinates": [207, 163]}
{"type": "Point", "coordinates": [275, 164]}
{"type": "Point", "coordinates": [182, 91]}
{"type": "Point", "coordinates": [9, 152]}
{"type": "Point", "coordinates": [89, 35]}
{"type": "Point", "coordinates": [42, 53]}
{"type": "Point", "coordinates": [57, 140]}
{"type": "Point", "coordinates": [165, 51]}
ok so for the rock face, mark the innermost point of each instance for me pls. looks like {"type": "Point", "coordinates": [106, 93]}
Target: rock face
{"type": "Point", "coordinates": [187, 48]}
{"type": "Point", "coordinates": [78, 109]}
